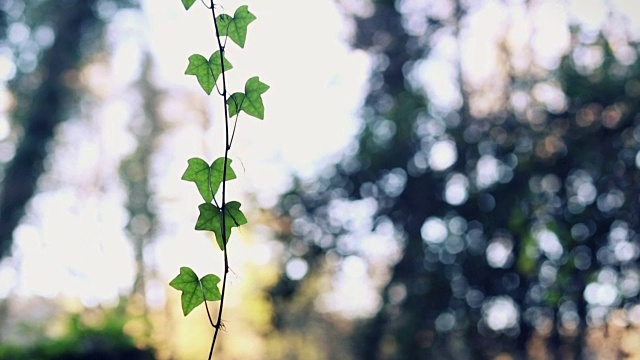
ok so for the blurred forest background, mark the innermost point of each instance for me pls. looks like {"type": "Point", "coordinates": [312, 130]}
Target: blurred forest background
{"type": "Point", "coordinates": [482, 205]}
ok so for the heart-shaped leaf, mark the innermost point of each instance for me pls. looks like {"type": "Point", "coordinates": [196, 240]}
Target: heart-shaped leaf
{"type": "Point", "coordinates": [208, 178]}
{"type": "Point", "coordinates": [194, 291]}
{"type": "Point", "coordinates": [199, 172]}
{"type": "Point", "coordinates": [207, 71]}
{"type": "Point", "coordinates": [210, 219]}
{"type": "Point", "coordinates": [250, 101]}
{"type": "Point", "coordinates": [236, 27]}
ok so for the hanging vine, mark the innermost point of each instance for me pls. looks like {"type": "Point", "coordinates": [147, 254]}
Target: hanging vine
{"type": "Point", "coordinates": [216, 213]}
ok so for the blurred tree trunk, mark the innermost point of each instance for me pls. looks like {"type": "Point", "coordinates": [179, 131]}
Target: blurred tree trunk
{"type": "Point", "coordinates": [399, 331]}
{"type": "Point", "coordinates": [136, 172]}
{"type": "Point", "coordinates": [45, 110]}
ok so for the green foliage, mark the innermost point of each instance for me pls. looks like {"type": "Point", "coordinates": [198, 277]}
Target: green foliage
{"type": "Point", "coordinates": [188, 3]}
{"type": "Point", "coordinates": [81, 341]}
{"type": "Point", "coordinates": [208, 178]}
{"type": "Point", "coordinates": [526, 264]}
{"type": "Point", "coordinates": [236, 27]}
{"type": "Point", "coordinates": [194, 289]}
{"type": "Point", "coordinates": [210, 219]}
{"type": "Point", "coordinates": [207, 71]}
{"type": "Point", "coordinates": [218, 175]}
{"type": "Point", "coordinates": [199, 172]}
{"type": "Point", "coordinates": [251, 101]}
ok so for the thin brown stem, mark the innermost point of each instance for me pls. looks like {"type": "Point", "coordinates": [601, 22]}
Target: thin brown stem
{"type": "Point", "coordinates": [206, 306]}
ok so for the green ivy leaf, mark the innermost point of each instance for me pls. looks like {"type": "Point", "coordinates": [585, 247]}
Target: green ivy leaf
{"type": "Point", "coordinates": [235, 102]}
{"type": "Point", "coordinates": [188, 3]}
{"type": "Point", "coordinates": [199, 66]}
{"type": "Point", "coordinates": [252, 104]}
{"type": "Point", "coordinates": [199, 172]}
{"type": "Point", "coordinates": [217, 173]}
{"type": "Point", "coordinates": [207, 178]}
{"type": "Point", "coordinates": [224, 23]}
{"type": "Point", "coordinates": [192, 288]}
{"type": "Point", "coordinates": [210, 285]}
{"type": "Point", "coordinates": [210, 219]}
{"type": "Point", "coordinates": [207, 71]}
{"type": "Point", "coordinates": [251, 101]}
{"type": "Point", "coordinates": [216, 67]}
{"type": "Point", "coordinates": [236, 27]}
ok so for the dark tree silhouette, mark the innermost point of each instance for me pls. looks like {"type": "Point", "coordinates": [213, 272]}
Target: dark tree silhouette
{"type": "Point", "coordinates": [44, 98]}
{"type": "Point", "coordinates": [530, 232]}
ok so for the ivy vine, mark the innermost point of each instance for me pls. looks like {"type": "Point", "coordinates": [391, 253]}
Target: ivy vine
{"type": "Point", "coordinates": [216, 214]}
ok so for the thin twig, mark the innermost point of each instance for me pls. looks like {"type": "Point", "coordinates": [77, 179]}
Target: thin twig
{"type": "Point", "coordinates": [205, 304]}
{"type": "Point", "coordinates": [235, 124]}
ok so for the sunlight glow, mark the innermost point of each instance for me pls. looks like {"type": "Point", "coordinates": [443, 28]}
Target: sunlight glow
{"type": "Point", "coordinates": [434, 230]}
{"type": "Point", "coordinates": [601, 294]}
{"type": "Point", "coordinates": [443, 154]}
{"type": "Point", "coordinates": [549, 243]}
{"type": "Point", "coordinates": [296, 268]}
{"type": "Point", "coordinates": [8, 278]}
{"type": "Point", "coordinates": [499, 252]}
{"type": "Point", "coordinates": [353, 283]}
{"type": "Point", "coordinates": [7, 68]}
{"type": "Point", "coordinates": [500, 313]}
{"type": "Point", "coordinates": [457, 189]}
